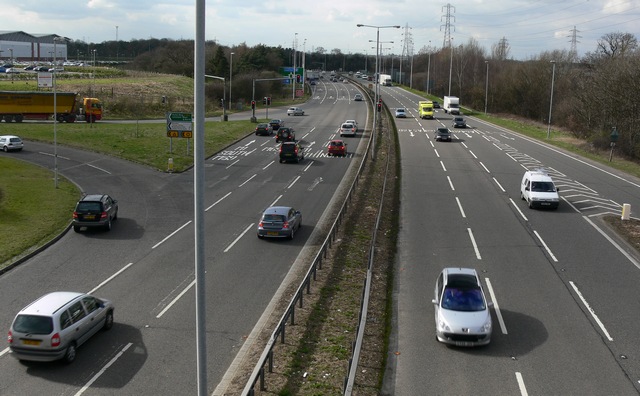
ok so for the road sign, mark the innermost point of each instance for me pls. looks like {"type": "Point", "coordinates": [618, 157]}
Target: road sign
{"type": "Point", "coordinates": [179, 125]}
{"type": "Point", "coordinates": [179, 117]}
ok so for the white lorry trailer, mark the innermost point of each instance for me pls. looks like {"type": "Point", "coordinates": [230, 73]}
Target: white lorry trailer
{"type": "Point", "coordinates": [384, 79]}
{"type": "Point", "coordinates": [451, 105]}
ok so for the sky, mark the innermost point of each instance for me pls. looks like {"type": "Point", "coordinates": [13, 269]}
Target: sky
{"type": "Point", "coordinates": [530, 27]}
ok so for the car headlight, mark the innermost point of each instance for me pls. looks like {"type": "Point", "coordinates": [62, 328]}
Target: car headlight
{"type": "Point", "coordinates": [487, 326]}
{"type": "Point", "coordinates": [442, 325]}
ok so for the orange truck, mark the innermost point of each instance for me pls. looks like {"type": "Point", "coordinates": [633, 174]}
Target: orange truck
{"type": "Point", "coordinates": [24, 105]}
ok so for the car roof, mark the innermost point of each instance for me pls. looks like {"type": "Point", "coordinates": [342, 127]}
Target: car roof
{"type": "Point", "coordinates": [9, 136]}
{"type": "Point", "coordinates": [279, 210]}
{"type": "Point", "coordinates": [92, 197]}
{"type": "Point", "coordinates": [50, 303]}
{"type": "Point", "coordinates": [461, 277]}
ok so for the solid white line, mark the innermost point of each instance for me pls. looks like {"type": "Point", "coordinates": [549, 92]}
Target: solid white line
{"type": "Point", "coordinates": [523, 389]}
{"type": "Point", "coordinates": [217, 202]}
{"type": "Point", "coordinates": [460, 207]}
{"type": "Point", "coordinates": [496, 307]}
{"type": "Point", "coordinates": [293, 182]}
{"type": "Point", "coordinates": [247, 181]}
{"type": "Point", "coordinates": [5, 350]}
{"type": "Point", "coordinates": [100, 169]}
{"type": "Point", "coordinates": [614, 243]}
{"type": "Point", "coordinates": [99, 373]}
{"type": "Point", "coordinates": [473, 241]}
{"type": "Point", "coordinates": [175, 300]}
{"type": "Point", "coordinates": [170, 235]}
{"type": "Point", "coordinates": [451, 184]}
{"type": "Point", "coordinates": [239, 236]}
{"type": "Point", "coordinates": [595, 317]}
{"type": "Point", "coordinates": [232, 164]}
{"type": "Point", "coordinates": [518, 209]}
{"type": "Point", "coordinates": [109, 278]}
{"type": "Point", "coordinates": [499, 185]}
{"type": "Point", "coordinates": [546, 247]}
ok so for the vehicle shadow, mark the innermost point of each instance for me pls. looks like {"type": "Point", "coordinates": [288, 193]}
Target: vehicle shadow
{"type": "Point", "coordinates": [299, 239]}
{"type": "Point", "coordinates": [121, 229]}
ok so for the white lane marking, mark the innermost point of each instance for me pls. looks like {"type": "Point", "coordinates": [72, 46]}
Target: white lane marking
{"type": "Point", "coordinates": [170, 235]}
{"type": "Point", "coordinates": [218, 201]}
{"type": "Point", "coordinates": [451, 184]}
{"type": "Point", "coordinates": [232, 164]}
{"type": "Point", "coordinates": [175, 300]}
{"type": "Point", "coordinates": [595, 317]}
{"type": "Point", "coordinates": [464, 145]}
{"type": "Point", "coordinates": [99, 373]}
{"type": "Point", "coordinates": [5, 350]}
{"type": "Point", "coordinates": [293, 182]}
{"type": "Point", "coordinates": [100, 169]}
{"type": "Point", "coordinates": [499, 185]}
{"type": "Point", "coordinates": [52, 155]}
{"type": "Point", "coordinates": [523, 389]}
{"type": "Point", "coordinates": [444, 168]}
{"type": "Point", "coordinates": [518, 209]}
{"type": "Point", "coordinates": [546, 247]}
{"type": "Point", "coordinates": [437, 154]}
{"type": "Point", "coordinates": [269, 164]}
{"type": "Point", "coordinates": [485, 168]}
{"type": "Point", "coordinates": [460, 207]}
{"type": "Point", "coordinates": [472, 154]}
{"type": "Point", "coordinates": [473, 241]}
{"type": "Point", "coordinates": [306, 168]}
{"type": "Point", "coordinates": [110, 278]}
{"type": "Point", "coordinates": [247, 181]}
{"type": "Point", "coordinates": [496, 307]}
{"type": "Point", "coordinates": [276, 200]}
{"type": "Point", "coordinates": [614, 243]}
{"type": "Point", "coordinates": [238, 238]}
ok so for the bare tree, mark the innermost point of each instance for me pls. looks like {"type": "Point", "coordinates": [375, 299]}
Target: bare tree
{"type": "Point", "coordinates": [613, 45]}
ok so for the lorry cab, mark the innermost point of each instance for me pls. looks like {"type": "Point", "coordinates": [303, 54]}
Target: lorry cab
{"type": "Point", "coordinates": [425, 109]}
{"type": "Point", "coordinates": [92, 109]}
{"type": "Point", "coordinates": [538, 189]}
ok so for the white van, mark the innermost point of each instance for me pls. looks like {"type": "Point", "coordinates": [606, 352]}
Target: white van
{"type": "Point", "coordinates": [538, 189]}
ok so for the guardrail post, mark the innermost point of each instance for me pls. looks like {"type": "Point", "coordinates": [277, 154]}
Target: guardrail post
{"type": "Point", "coordinates": [262, 384]}
{"type": "Point", "coordinates": [271, 361]}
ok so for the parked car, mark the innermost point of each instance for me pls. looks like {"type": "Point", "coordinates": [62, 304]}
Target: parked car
{"type": "Point", "coordinates": [56, 324]}
{"type": "Point", "coordinates": [279, 222]}
{"type": "Point", "coordinates": [276, 124]}
{"type": "Point", "coordinates": [95, 210]}
{"type": "Point", "coordinates": [291, 151]}
{"type": "Point", "coordinates": [285, 134]}
{"type": "Point", "coordinates": [443, 134]}
{"type": "Point", "coordinates": [462, 313]}
{"type": "Point", "coordinates": [401, 113]}
{"type": "Point", "coordinates": [358, 97]}
{"type": "Point", "coordinates": [11, 143]}
{"type": "Point", "coordinates": [347, 129]}
{"type": "Point", "coordinates": [12, 70]}
{"type": "Point", "coordinates": [295, 111]}
{"type": "Point", "coordinates": [337, 147]}
{"type": "Point", "coordinates": [538, 189]}
{"type": "Point", "coordinates": [459, 122]}
{"type": "Point", "coordinates": [264, 129]}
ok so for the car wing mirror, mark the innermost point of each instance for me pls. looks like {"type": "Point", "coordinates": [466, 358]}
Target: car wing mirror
{"type": "Point", "coordinates": [557, 188]}
{"type": "Point", "coordinates": [434, 301]}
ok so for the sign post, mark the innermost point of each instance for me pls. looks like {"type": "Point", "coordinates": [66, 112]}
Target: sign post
{"type": "Point", "coordinates": [179, 125]}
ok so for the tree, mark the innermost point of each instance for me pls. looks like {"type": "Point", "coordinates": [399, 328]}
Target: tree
{"type": "Point", "coordinates": [613, 45]}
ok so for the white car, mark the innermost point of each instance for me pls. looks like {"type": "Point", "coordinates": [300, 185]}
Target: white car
{"type": "Point", "coordinates": [347, 129]}
{"type": "Point", "coordinates": [294, 111]}
{"type": "Point", "coordinates": [10, 143]}
{"type": "Point", "coordinates": [352, 122]}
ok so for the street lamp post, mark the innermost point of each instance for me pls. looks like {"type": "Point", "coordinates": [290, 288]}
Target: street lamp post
{"type": "Point", "coordinates": [117, 45]}
{"type": "Point", "coordinates": [55, 115]}
{"type": "Point", "coordinates": [450, 65]}
{"type": "Point", "coordinates": [429, 69]}
{"type": "Point", "coordinates": [486, 88]}
{"type": "Point", "coordinates": [375, 123]}
{"type": "Point", "coordinates": [224, 93]}
{"type": "Point", "coordinates": [230, 77]}
{"type": "Point", "coordinates": [553, 78]}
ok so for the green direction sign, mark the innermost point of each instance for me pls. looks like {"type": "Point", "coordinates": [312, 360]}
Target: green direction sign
{"type": "Point", "coordinates": [179, 117]}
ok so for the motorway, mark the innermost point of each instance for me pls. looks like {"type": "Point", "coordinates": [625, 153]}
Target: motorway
{"type": "Point", "coordinates": [145, 264]}
{"type": "Point", "coordinates": [565, 320]}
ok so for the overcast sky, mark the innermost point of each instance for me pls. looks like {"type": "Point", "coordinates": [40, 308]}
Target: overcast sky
{"type": "Point", "coordinates": [529, 26]}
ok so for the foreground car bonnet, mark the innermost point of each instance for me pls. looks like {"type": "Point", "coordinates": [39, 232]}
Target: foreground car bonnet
{"type": "Point", "coordinates": [465, 322]}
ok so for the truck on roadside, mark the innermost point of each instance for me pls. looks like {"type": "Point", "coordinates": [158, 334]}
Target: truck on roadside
{"type": "Point", "coordinates": [384, 79]}
{"type": "Point", "coordinates": [451, 105]}
{"type": "Point", "coordinates": [425, 109]}
{"type": "Point", "coordinates": [16, 106]}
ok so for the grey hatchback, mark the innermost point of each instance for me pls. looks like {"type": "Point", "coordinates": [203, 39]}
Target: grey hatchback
{"type": "Point", "coordinates": [279, 222]}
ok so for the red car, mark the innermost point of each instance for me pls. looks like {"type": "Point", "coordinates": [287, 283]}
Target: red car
{"type": "Point", "coordinates": [337, 147]}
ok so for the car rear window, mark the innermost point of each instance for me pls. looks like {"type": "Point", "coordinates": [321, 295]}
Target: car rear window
{"type": "Point", "coordinates": [88, 207]}
{"type": "Point", "coordinates": [33, 324]}
{"type": "Point", "coordinates": [273, 217]}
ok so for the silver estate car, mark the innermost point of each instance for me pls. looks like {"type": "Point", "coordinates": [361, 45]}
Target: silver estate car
{"type": "Point", "coordinates": [279, 222]}
{"type": "Point", "coordinates": [462, 313]}
{"type": "Point", "coordinates": [56, 324]}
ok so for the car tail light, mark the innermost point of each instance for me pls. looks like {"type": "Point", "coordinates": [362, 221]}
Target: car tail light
{"type": "Point", "coordinates": [296, 150]}
{"type": "Point", "coordinates": [75, 215]}
{"type": "Point", "coordinates": [55, 340]}
{"type": "Point", "coordinates": [103, 215]}
{"type": "Point", "coordinates": [285, 225]}
{"type": "Point", "coordinates": [10, 337]}
{"type": "Point", "coordinates": [260, 224]}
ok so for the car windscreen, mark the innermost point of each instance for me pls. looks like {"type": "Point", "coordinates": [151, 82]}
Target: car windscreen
{"type": "Point", "coordinates": [543, 187]}
{"type": "Point", "coordinates": [463, 299]}
{"type": "Point", "coordinates": [33, 324]}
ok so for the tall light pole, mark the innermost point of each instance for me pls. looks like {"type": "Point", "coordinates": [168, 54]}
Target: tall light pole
{"type": "Point", "coordinates": [230, 77]}
{"type": "Point", "coordinates": [55, 115]}
{"type": "Point", "coordinates": [375, 123]}
{"type": "Point", "coordinates": [11, 59]}
{"type": "Point", "coordinates": [117, 45]}
{"type": "Point", "coordinates": [553, 78]}
{"type": "Point", "coordinates": [295, 56]}
{"type": "Point", "coordinates": [429, 69]}
{"type": "Point", "coordinates": [486, 88]}
{"type": "Point", "coordinates": [450, 65]}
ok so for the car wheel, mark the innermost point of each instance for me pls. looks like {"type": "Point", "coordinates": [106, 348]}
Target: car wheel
{"type": "Point", "coordinates": [281, 161]}
{"type": "Point", "coordinates": [70, 354]}
{"type": "Point", "coordinates": [108, 321]}
{"type": "Point", "coordinates": [5, 149]}
{"type": "Point", "coordinates": [292, 233]}
{"type": "Point", "coordinates": [76, 228]}
{"type": "Point", "coordinates": [108, 225]}
{"type": "Point", "coordinates": [530, 204]}
{"type": "Point", "coordinates": [260, 236]}
{"type": "Point", "coordinates": [521, 196]}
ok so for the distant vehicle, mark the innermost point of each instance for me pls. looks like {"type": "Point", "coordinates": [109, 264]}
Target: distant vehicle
{"type": "Point", "coordinates": [276, 124]}
{"type": "Point", "coordinates": [16, 106]}
{"type": "Point", "coordinates": [11, 143]}
{"type": "Point", "coordinates": [347, 129]}
{"type": "Point", "coordinates": [279, 222]}
{"type": "Point", "coordinates": [295, 111]}
{"type": "Point", "coordinates": [285, 134]}
{"type": "Point", "coordinates": [12, 70]}
{"type": "Point", "coordinates": [462, 313]}
{"type": "Point", "coordinates": [291, 151]}
{"type": "Point", "coordinates": [264, 129]}
{"type": "Point", "coordinates": [538, 189]}
{"type": "Point", "coordinates": [352, 122]}
{"type": "Point", "coordinates": [443, 134]}
{"type": "Point", "coordinates": [358, 97]}
{"type": "Point", "coordinates": [95, 210]}
{"type": "Point", "coordinates": [436, 104]}
{"type": "Point", "coordinates": [384, 79]}
{"type": "Point", "coordinates": [451, 105]}
{"type": "Point", "coordinates": [425, 109]}
{"type": "Point", "coordinates": [337, 147]}
{"type": "Point", "coordinates": [400, 113]}
{"type": "Point", "coordinates": [56, 324]}
{"type": "Point", "coordinates": [459, 122]}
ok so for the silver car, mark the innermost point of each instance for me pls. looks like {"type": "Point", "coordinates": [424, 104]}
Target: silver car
{"type": "Point", "coordinates": [10, 143]}
{"type": "Point", "coordinates": [279, 222]}
{"type": "Point", "coordinates": [462, 313]}
{"type": "Point", "coordinates": [55, 325]}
